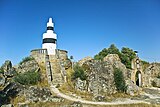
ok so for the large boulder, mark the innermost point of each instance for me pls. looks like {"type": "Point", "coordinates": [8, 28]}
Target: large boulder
{"type": "Point", "coordinates": [7, 66]}
{"type": "Point", "coordinates": [150, 74]}
{"type": "Point", "coordinates": [100, 77]}
{"type": "Point", "coordinates": [8, 69]}
{"type": "Point", "coordinates": [156, 82]}
{"type": "Point", "coordinates": [37, 94]}
{"type": "Point", "coordinates": [80, 84]}
{"type": "Point", "coordinates": [115, 61]}
{"type": "Point", "coordinates": [2, 80]}
{"type": "Point", "coordinates": [132, 89]}
{"type": "Point", "coordinates": [82, 61]}
{"type": "Point", "coordinates": [26, 66]}
{"type": "Point", "coordinates": [11, 90]}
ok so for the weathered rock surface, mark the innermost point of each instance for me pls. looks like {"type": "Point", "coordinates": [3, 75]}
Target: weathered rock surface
{"type": "Point", "coordinates": [81, 85]}
{"type": "Point", "coordinates": [10, 91]}
{"type": "Point", "coordinates": [30, 65]}
{"type": "Point", "coordinates": [82, 61]}
{"type": "Point", "coordinates": [150, 75]}
{"type": "Point", "coordinates": [2, 80]}
{"type": "Point", "coordinates": [132, 89]}
{"type": "Point", "coordinates": [156, 82]}
{"type": "Point", "coordinates": [115, 61]}
{"type": "Point", "coordinates": [8, 69]}
{"type": "Point", "coordinates": [36, 94]}
{"type": "Point", "coordinates": [76, 104]}
{"type": "Point", "coordinates": [8, 105]}
{"type": "Point", "coordinates": [100, 76]}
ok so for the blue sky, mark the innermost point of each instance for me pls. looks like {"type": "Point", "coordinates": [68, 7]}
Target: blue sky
{"type": "Point", "coordinates": [84, 27]}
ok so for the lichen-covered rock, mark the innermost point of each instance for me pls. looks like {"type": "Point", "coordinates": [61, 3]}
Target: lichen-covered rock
{"type": "Point", "coordinates": [132, 89]}
{"type": "Point", "coordinates": [2, 80]}
{"type": "Point", "coordinates": [100, 77]}
{"type": "Point", "coordinates": [115, 61]}
{"type": "Point", "coordinates": [82, 61]}
{"type": "Point", "coordinates": [8, 105]}
{"type": "Point", "coordinates": [150, 73]}
{"type": "Point", "coordinates": [7, 66]}
{"type": "Point", "coordinates": [37, 94]}
{"type": "Point", "coordinates": [30, 65]}
{"type": "Point", "coordinates": [156, 82]}
{"type": "Point", "coordinates": [66, 63]}
{"type": "Point", "coordinates": [8, 69]}
{"type": "Point", "coordinates": [81, 84]}
{"type": "Point", "coordinates": [76, 104]}
{"type": "Point", "coordinates": [112, 58]}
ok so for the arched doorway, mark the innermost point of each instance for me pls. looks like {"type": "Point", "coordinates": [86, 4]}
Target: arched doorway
{"type": "Point", "coordinates": [138, 78]}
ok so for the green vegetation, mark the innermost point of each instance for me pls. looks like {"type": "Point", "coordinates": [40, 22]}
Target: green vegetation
{"type": "Point", "coordinates": [111, 50]}
{"type": "Point", "coordinates": [119, 80]}
{"type": "Point", "coordinates": [126, 55]}
{"type": "Point", "coordinates": [1, 70]}
{"type": "Point", "coordinates": [78, 73]}
{"type": "Point", "coordinates": [26, 59]}
{"type": "Point", "coordinates": [28, 78]}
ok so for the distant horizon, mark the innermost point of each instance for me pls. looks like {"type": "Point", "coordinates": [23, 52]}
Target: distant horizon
{"type": "Point", "coordinates": [83, 27]}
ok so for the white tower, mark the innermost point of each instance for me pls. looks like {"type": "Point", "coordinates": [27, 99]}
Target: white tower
{"type": "Point", "coordinates": [50, 38]}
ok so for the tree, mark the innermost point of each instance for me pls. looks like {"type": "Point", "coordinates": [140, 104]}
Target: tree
{"type": "Point", "coordinates": [119, 80]}
{"type": "Point", "coordinates": [111, 50]}
{"type": "Point", "coordinates": [127, 55]}
{"type": "Point", "coordinates": [79, 73]}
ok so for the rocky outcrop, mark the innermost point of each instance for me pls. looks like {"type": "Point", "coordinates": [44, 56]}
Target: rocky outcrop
{"type": "Point", "coordinates": [2, 80]}
{"type": "Point", "coordinates": [9, 71]}
{"type": "Point", "coordinates": [150, 75]}
{"type": "Point", "coordinates": [156, 82]}
{"type": "Point", "coordinates": [82, 61]}
{"type": "Point", "coordinates": [115, 61]}
{"type": "Point", "coordinates": [30, 65]}
{"type": "Point", "coordinates": [132, 89]}
{"type": "Point", "coordinates": [36, 94]}
{"type": "Point", "coordinates": [10, 91]}
{"type": "Point", "coordinates": [100, 77]}
{"type": "Point", "coordinates": [80, 85]}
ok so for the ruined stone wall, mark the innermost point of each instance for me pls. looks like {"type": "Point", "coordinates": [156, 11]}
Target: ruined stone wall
{"type": "Point", "coordinates": [137, 67]}
{"type": "Point", "coordinates": [62, 54]}
{"type": "Point", "coordinates": [39, 55]}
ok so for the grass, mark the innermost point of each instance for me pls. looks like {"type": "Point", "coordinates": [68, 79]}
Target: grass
{"type": "Point", "coordinates": [124, 105]}
{"type": "Point", "coordinates": [18, 99]}
{"type": "Point", "coordinates": [44, 81]}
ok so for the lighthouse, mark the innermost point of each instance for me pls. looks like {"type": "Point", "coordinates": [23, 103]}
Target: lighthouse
{"type": "Point", "coordinates": [50, 39]}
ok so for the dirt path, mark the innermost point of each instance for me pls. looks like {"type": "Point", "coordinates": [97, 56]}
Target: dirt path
{"type": "Point", "coordinates": [127, 101]}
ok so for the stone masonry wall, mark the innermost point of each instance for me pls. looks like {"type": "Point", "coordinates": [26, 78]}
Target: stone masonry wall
{"type": "Point", "coordinates": [39, 55]}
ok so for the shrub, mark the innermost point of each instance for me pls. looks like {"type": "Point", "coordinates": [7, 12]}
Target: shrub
{"type": "Point", "coordinates": [28, 78]}
{"type": "Point", "coordinates": [126, 54]}
{"type": "Point", "coordinates": [1, 70]}
{"type": "Point", "coordinates": [26, 59]}
{"type": "Point", "coordinates": [119, 80]}
{"type": "Point", "coordinates": [154, 84]}
{"type": "Point", "coordinates": [79, 73]}
{"type": "Point", "coordinates": [111, 50]}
